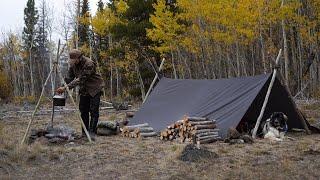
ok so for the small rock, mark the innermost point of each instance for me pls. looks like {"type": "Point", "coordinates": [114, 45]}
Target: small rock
{"type": "Point", "coordinates": [70, 144]}
{"type": "Point", "coordinates": [233, 134]}
{"type": "Point", "coordinates": [247, 139]}
{"type": "Point", "coordinates": [56, 140]}
{"type": "Point", "coordinates": [236, 141]}
{"type": "Point", "coordinates": [61, 158]}
{"type": "Point", "coordinates": [312, 151]}
{"type": "Point", "coordinates": [49, 136]}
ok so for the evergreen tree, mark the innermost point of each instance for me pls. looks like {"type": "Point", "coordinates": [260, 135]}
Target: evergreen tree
{"type": "Point", "coordinates": [41, 39]}
{"type": "Point", "coordinates": [30, 19]}
{"type": "Point", "coordinates": [84, 24]}
{"type": "Point", "coordinates": [28, 35]}
{"type": "Point", "coordinates": [100, 6]}
{"type": "Point", "coordinates": [42, 46]}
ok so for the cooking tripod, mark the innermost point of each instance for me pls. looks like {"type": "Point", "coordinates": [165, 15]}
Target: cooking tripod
{"type": "Point", "coordinates": [55, 70]}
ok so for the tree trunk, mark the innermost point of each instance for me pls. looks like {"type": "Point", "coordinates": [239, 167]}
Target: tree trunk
{"type": "Point", "coordinates": [25, 85]}
{"type": "Point", "coordinates": [238, 60]}
{"type": "Point", "coordinates": [31, 70]}
{"type": "Point", "coordinates": [118, 87]}
{"type": "Point", "coordinates": [253, 63]}
{"type": "Point", "coordinates": [142, 88]}
{"type": "Point", "coordinates": [285, 50]}
{"type": "Point", "coordinates": [111, 81]}
{"type": "Point", "coordinates": [262, 54]}
{"type": "Point", "coordinates": [186, 64]}
{"type": "Point", "coordinates": [173, 66]}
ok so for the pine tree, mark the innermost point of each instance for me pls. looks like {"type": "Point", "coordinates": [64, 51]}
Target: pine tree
{"type": "Point", "coordinates": [84, 24]}
{"type": "Point", "coordinates": [42, 62]}
{"type": "Point", "coordinates": [30, 19]}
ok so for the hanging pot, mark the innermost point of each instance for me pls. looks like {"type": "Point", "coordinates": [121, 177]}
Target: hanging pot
{"type": "Point", "coordinates": [59, 100]}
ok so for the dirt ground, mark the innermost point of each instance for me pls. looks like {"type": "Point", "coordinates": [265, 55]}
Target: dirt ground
{"type": "Point", "coordinates": [117, 157]}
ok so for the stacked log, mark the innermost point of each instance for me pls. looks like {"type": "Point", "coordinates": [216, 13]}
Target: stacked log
{"type": "Point", "coordinates": [107, 128]}
{"type": "Point", "coordinates": [192, 129]}
{"type": "Point", "coordinates": [172, 131]}
{"type": "Point", "coordinates": [137, 131]}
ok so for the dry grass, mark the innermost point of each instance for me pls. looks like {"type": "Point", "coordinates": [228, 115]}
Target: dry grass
{"type": "Point", "coordinates": [123, 158]}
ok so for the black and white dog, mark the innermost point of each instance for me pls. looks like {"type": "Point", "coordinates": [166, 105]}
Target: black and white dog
{"type": "Point", "coordinates": [275, 127]}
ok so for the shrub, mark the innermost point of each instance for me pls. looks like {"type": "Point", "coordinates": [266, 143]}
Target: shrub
{"type": "Point", "coordinates": [19, 100]}
{"type": "Point", "coordinates": [5, 87]}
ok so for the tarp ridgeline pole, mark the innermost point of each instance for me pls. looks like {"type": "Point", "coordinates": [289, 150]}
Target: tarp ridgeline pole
{"type": "Point", "coordinates": [265, 102]}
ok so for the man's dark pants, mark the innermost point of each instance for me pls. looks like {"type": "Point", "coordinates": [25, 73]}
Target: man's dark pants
{"type": "Point", "coordinates": [90, 105]}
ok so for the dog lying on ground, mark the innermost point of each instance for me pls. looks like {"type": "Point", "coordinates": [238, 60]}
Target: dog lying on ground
{"type": "Point", "coordinates": [275, 127]}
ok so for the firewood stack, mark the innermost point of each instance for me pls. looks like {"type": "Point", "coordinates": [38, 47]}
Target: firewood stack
{"type": "Point", "coordinates": [192, 129]}
{"type": "Point", "coordinates": [139, 130]}
{"type": "Point", "coordinates": [172, 131]}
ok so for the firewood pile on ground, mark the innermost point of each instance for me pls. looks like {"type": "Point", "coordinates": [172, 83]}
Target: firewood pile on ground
{"type": "Point", "coordinates": [108, 128]}
{"type": "Point", "coordinates": [198, 130]}
{"type": "Point", "coordinates": [138, 131]}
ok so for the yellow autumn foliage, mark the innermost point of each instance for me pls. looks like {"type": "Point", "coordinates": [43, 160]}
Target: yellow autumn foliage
{"type": "Point", "coordinates": [121, 6]}
{"type": "Point", "coordinates": [166, 27]}
{"type": "Point", "coordinates": [104, 20]}
{"type": "Point", "coordinates": [5, 86]}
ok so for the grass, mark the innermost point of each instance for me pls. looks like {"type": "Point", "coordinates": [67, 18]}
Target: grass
{"type": "Point", "coordinates": [303, 145]}
{"type": "Point", "coordinates": [260, 151]}
{"type": "Point", "coordinates": [174, 148]}
{"type": "Point", "coordinates": [1, 133]}
{"type": "Point", "coordinates": [116, 157]}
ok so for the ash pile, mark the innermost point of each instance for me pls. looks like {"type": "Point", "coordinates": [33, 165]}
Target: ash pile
{"type": "Point", "coordinates": [191, 153]}
{"type": "Point", "coordinates": [56, 134]}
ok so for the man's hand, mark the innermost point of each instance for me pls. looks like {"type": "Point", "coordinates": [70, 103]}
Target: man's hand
{"type": "Point", "coordinates": [60, 90]}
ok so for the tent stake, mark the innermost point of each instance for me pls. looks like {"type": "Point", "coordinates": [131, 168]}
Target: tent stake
{"type": "Point", "coordinates": [154, 81]}
{"type": "Point", "coordinates": [274, 74]}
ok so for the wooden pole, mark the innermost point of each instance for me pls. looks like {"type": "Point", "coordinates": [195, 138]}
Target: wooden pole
{"type": "Point", "coordinates": [53, 80]}
{"type": "Point", "coordinates": [154, 81]}
{"type": "Point", "coordinates": [274, 74]}
{"type": "Point", "coordinates": [54, 68]}
{"type": "Point", "coordinates": [36, 108]}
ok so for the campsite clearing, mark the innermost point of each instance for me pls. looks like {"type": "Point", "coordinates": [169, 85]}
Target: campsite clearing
{"type": "Point", "coordinates": [116, 157]}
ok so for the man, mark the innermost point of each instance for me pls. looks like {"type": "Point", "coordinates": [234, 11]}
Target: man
{"type": "Point", "coordinates": [82, 73]}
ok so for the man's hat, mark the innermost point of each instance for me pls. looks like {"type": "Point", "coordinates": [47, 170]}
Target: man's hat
{"type": "Point", "coordinates": [75, 54]}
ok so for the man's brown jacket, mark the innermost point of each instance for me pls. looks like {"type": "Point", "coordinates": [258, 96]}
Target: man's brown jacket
{"type": "Point", "coordinates": [84, 74]}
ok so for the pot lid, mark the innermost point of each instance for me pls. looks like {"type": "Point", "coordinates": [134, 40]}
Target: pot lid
{"type": "Point", "coordinates": [58, 96]}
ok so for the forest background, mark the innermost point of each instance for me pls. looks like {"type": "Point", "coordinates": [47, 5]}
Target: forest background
{"type": "Point", "coordinates": [199, 39]}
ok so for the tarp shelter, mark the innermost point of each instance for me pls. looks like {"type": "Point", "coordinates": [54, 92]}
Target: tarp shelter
{"type": "Point", "coordinates": [231, 102]}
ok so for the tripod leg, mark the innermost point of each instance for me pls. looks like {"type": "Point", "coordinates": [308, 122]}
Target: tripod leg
{"type": "Point", "coordinates": [36, 108]}
{"type": "Point", "coordinates": [52, 115]}
{"type": "Point", "coordinates": [53, 79]}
